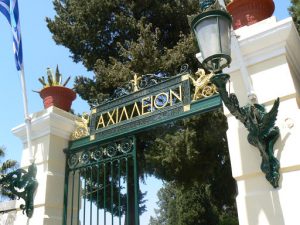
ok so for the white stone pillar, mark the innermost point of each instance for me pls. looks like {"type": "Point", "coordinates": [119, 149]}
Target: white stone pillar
{"type": "Point", "coordinates": [271, 52]}
{"type": "Point", "coordinates": [51, 130]}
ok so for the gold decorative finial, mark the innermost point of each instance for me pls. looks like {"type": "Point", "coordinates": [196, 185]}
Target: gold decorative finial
{"type": "Point", "coordinates": [135, 82]}
{"type": "Point", "coordinates": [203, 86]}
{"type": "Point", "coordinates": [82, 127]}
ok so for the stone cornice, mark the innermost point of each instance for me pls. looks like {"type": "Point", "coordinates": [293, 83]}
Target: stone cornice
{"type": "Point", "coordinates": [52, 121]}
{"type": "Point", "coordinates": [265, 40]}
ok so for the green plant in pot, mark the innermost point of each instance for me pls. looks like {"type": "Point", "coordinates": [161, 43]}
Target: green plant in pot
{"type": "Point", "coordinates": [54, 92]}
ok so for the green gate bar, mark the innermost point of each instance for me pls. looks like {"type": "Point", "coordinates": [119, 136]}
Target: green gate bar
{"type": "Point", "coordinates": [95, 178]}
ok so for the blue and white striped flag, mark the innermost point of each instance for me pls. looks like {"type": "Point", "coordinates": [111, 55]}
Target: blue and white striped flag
{"type": "Point", "coordinates": [10, 10]}
{"type": "Point", "coordinates": [5, 9]}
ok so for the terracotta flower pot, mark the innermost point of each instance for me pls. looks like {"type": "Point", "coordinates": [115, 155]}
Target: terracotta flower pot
{"type": "Point", "coordinates": [58, 96]}
{"type": "Point", "coordinates": [248, 12]}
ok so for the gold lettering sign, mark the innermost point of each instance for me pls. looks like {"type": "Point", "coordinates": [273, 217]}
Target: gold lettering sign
{"type": "Point", "coordinates": [140, 107]}
{"type": "Point", "coordinates": [111, 115]}
{"type": "Point", "coordinates": [135, 109]}
{"type": "Point", "coordinates": [100, 122]}
{"type": "Point", "coordinates": [124, 112]}
{"type": "Point", "coordinates": [147, 105]}
{"type": "Point", "coordinates": [172, 93]}
{"type": "Point", "coordinates": [162, 98]}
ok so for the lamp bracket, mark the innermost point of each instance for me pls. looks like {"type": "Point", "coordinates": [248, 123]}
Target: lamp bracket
{"type": "Point", "coordinates": [207, 5]}
{"type": "Point", "coordinates": [22, 184]}
{"type": "Point", "coordinates": [261, 126]}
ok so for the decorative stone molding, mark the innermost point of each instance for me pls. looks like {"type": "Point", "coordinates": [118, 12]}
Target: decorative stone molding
{"type": "Point", "coordinates": [51, 130]}
{"type": "Point", "coordinates": [262, 41]}
{"type": "Point", "coordinates": [52, 120]}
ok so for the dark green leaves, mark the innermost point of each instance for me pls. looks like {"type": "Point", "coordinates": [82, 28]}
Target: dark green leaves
{"type": "Point", "coordinates": [295, 12]}
{"type": "Point", "coordinates": [6, 167]}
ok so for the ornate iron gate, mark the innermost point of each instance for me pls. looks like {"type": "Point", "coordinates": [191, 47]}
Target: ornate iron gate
{"type": "Point", "coordinates": [101, 184]}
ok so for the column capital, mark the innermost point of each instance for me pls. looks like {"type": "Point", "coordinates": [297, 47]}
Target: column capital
{"type": "Point", "coordinates": [52, 121]}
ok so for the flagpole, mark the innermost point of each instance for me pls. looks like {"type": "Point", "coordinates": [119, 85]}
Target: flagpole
{"type": "Point", "coordinates": [26, 115]}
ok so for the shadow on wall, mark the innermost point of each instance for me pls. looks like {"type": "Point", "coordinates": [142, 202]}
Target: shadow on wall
{"type": "Point", "coordinates": [258, 201]}
{"type": "Point", "coordinates": [8, 218]}
{"type": "Point", "coordinates": [267, 210]}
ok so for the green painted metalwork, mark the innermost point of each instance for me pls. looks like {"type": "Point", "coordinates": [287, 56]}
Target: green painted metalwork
{"type": "Point", "coordinates": [207, 5]}
{"type": "Point", "coordinates": [104, 171]}
{"type": "Point", "coordinates": [65, 213]}
{"type": "Point", "coordinates": [21, 179]}
{"type": "Point", "coordinates": [204, 4]}
{"type": "Point", "coordinates": [105, 162]}
{"type": "Point", "coordinates": [261, 126]}
{"type": "Point", "coordinates": [152, 103]}
{"type": "Point", "coordinates": [196, 107]}
{"type": "Point", "coordinates": [158, 91]}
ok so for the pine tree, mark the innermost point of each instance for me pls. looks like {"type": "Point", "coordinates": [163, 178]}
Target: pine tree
{"type": "Point", "coordinates": [196, 168]}
{"type": "Point", "coordinates": [119, 38]}
{"type": "Point", "coordinates": [295, 13]}
{"type": "Point", "coordinates": [189, 205]}
{"type": "Point", "coordinates": [6, 167]}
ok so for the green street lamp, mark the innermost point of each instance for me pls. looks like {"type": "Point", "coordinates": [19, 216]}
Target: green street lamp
{"type": "Point", "coordinates": [212, 29]}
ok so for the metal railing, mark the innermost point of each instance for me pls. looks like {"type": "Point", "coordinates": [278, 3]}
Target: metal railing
{"type": "Point", "coordinates": [101, 184]}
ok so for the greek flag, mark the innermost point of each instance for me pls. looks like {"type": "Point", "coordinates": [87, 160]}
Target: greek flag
{"type": "Point", "coordinates": [5, 9]}
{"type": "Point", "coordinates": [10, 9]}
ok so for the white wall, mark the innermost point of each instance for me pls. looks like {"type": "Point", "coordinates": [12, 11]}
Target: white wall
{"type": "Point", "coordinates": [270, 51]}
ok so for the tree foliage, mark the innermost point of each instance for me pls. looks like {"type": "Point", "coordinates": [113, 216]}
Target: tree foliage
{"type": "Point", "coordinates": [195, 143]}
{"type": "Point", "coordinates": [195, 162]}
{"type": "Point", "coordinates": [295, 12]}
{"type": "Point", "coordinates": [190, 205]}
{"type": "Point", "coordinates": [6, 167]}
{"type": "Point", "coordinates": [119, 38]}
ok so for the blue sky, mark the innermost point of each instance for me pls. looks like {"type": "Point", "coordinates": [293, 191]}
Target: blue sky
{"type": "Point", "coordinates": [40, 52]}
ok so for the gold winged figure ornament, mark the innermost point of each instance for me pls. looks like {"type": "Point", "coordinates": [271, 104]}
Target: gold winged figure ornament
{"type": "Point", "coordinates": [82, 127]}
{"type": "Point", "coordinates": [202, 85]}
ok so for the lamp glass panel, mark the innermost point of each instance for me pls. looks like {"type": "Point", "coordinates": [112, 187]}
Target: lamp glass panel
{"type": "Point", "coordinates": [225, 35]}
{"type": "Point", "coordinates": [207, 33]}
